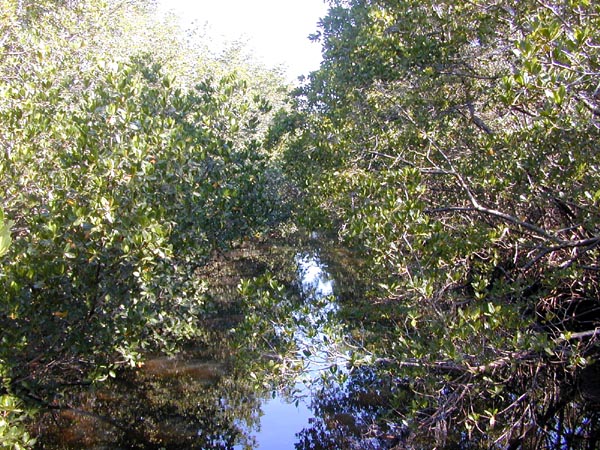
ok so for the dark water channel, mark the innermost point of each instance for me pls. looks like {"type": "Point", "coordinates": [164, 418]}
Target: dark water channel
{"type": "Point", "coordinates": [269, 373]}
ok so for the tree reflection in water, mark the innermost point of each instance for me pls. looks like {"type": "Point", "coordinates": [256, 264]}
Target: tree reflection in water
{"type": "Point", "coordinates": [375, 409]}
{"type": "Point", "coordinates": [353, 415]}
{"type": "Point", "coordinates": [213, 395]}
{"type": "Point", "coordinates": [172, 403]}
{"type": "Point", "coordinates": [289, 322]}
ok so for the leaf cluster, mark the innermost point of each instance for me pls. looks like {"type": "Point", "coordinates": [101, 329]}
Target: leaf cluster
{"type": "Point", "coordinates": [456, 145]}
{"type": "Point", "coordinates": [119, 179]}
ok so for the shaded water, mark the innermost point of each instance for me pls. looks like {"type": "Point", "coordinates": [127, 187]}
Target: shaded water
{"type": "Point", "coordinates": [283, 418]}
{"type": "Point", "coordinates": [251, 384]}
{"type": "Point", "coordinates": [272, 371]}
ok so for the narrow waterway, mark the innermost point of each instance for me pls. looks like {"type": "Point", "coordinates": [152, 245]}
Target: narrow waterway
{"type": "Point", "coordinates": [283, 418]}
{"type": "Point", "coordinates": [269, 353]}
{"type": "Point", "coordinates": [285, 359]}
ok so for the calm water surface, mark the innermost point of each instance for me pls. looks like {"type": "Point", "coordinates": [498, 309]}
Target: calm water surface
{"type": "Point", "coordinates": [203, 399]}
{"type": "Point", "coordinates": [269, 370]}
{"type": "Point", "coordinates": [282, 419]}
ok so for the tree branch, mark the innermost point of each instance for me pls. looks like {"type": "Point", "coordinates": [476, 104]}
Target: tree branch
{"type": "Point", "coordinates": [595, 111]}
{"type": "Point", "coordinates": [493, 212]}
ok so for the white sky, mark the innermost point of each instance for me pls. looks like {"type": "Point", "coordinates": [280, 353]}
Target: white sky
{"type": "Point", "coordinates": [276, 30]}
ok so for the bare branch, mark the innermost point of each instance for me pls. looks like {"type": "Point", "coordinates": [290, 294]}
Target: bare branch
{"type": "Point", "coordinates": [594, 110]}
{"type": "Point", "coordinates": [493, 212]}
{"type": "Point", "coordinates": [581, 335]}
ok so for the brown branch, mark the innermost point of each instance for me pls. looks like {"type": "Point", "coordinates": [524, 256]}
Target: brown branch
{"type": "Point", "coordinates": [449, 209]}
{"type": "Point", "coordinates": [503, 362]}
{"type": "Point", "coordinates": [593, 244]}
{"type": "Point", "coordinates": [452, 367]}
{"type": "Point", "coordinates": [589, 243]}
{"type": "Point", "coordinates": [493, 212]}
{"type": "Point", "coordinates": [440, 366]}
{"type": "Point", "coordinates": [477, 121]}
{"type": "Point", "coordinates": [469, 75]}
{"type": "Point", "coordinates": [562, 244]}
{"type": "Point", "coordinates": [461, 369]}
{"type": "Point", "coordinates": [523, 111]}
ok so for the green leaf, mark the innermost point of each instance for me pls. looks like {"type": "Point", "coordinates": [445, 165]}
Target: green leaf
{"type": "Point", "coordinates": [5, 239]}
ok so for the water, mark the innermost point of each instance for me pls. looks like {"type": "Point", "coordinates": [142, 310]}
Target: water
{"type": "Point", "coordinates": [205, 398]}
{"type": "Point", "coordinates": [284, 418]}
{"type": "Point", "coordinates": [226, 390]}
{"type": "Point", "coordinates": [280, 423]}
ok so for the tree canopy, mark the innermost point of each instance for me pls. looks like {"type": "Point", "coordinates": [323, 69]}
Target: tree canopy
{"type": "Point", "coordinates": [452, 145]}
{"type": "Point", "coordinates": [456, 145]}
{"type": "Point", "coordinates": [129, 153]}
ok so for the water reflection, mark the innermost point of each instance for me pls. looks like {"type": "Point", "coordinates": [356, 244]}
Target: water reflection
{"type": "Point", "coordinates": [350, 415]}
{"type": "Point", "coordinates": [220, 394]}
{"type": "Point", "coordinates": [316, 282]}
{"type": "Point", "coordinates": [171, 405]}
{"type": "Point", "coordinates": [273, 373]}
{"type": "Point", "coordinates": [280, 423]}
{"type": "Point", "coordinates": [285, 416]}
{"type": "Point", "coordinates": [335, 407]}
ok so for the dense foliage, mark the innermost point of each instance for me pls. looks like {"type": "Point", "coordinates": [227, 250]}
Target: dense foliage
{"type": "Point", "coordinates": [121, 171]}
{"type": "Point", "coordinates": [456, 144]}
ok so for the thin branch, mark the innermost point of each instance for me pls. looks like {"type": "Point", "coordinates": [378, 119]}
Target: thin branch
{"type": "Point", "coordinates": [594, 242]}
{"type": "Point", "coordinates": [516, 356]}
{"type": "Point", "coordinates": [557, 14]}
{"type": "Point", "coordinates": [468, 75]}
{"type": "Point", "coordinates": [580, 335]}
{"type": "Point", "coordinates": [450, 209]}
{"type": "Point", "coordinates": [523, 111]}
{"type": "Point", "coordinates": [493, 212]}
{"type": "Point", "coordinates": [477, 121]}
{"type": "Point", "coordinates": [535, 260]}
{"type": "Point", "coordinates": [595, 111]}
{"type": "Point", "coordinates": [589, 243]}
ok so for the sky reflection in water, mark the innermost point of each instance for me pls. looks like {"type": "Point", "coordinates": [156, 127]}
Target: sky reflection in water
{"type": "Point", "coordinates": [283, 418]}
